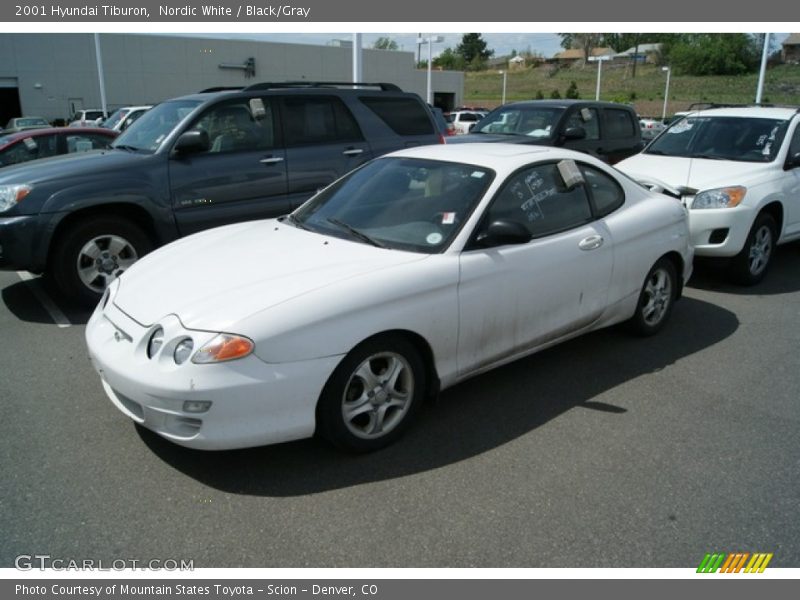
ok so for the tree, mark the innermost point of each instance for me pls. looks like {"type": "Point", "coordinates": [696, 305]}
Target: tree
{"type": "Point", "coordinates": [572, 91]}
{"type": "Point", "coordinates": [448, 60]}
{"type": "Point", "coordinates": [713, 53]}
{"type": "Point", "coordinates": [473, 51]}
{"type": "Point", "coordinates": [385, 43]}
{"type": "Point", "coordinates": [583, 41]}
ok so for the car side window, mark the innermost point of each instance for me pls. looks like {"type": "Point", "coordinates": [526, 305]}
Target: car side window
{"type": "Point", "coordinates": [607, 195]}
{"type": "Point", "coordinates": [318, 120]}
{"type": "Point", "coordinates": [231, 127]}
{"type": "Point", "coordinates": [536, 197]}
{"type": "Point", "coordinates": [86, 142]}
{"type": "Point", "coordinates": [619, 123]}
{"type": "Point", "coordinates": [794, 146]}
{"type": "Point", "coordinates": [588, 119]}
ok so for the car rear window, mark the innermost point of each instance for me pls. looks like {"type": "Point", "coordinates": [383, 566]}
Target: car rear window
{"type": "Point", "coordinates": [404, 116]}
{"type": "Point", "coordinates": [619, 123]}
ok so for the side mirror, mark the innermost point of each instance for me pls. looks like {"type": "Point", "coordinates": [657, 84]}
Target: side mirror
{"type": "Point", "coordinates": [574, 133]}
{"type": "Point", "coordinates": [793, 161]}
{"type": "Point", "coordinates": [192, 141]}
{"type": "Point", "coordinates": [503, 232]}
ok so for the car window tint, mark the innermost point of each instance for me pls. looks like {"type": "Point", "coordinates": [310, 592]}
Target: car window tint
{"type": "Point", "coordinates": [606, 193]}
{"type": "Point", "coordinates": [232, 128]}
{"type": "Point", "coordinates": [588, 119]}
{"type": "Point", "coordinates": [405, 116]}
{"type": "Point", "coordinates": [619, 123]}
{"type": "Point", "coordinates": [318, 120]}
{"type": "Point", "coordinates": [794, 146]}
{"type": "Point", "coordinates": [536, 198]}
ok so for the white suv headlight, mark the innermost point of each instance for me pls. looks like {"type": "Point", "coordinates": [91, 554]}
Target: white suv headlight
{"type": "Point", "coordinates": [726, 197]}
{"type": "Point", "coordinates": [10, 195]}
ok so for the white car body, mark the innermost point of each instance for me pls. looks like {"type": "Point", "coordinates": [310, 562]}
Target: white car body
{"type": "Point", "coordinates": [767, 184]}
{"type": "Point", "coordinates": [129, 115]}
{"type": "Point", "coordinates": [306, 299]}
{"type": "Point", "coordinates": [80, 118]}
{"type": "Point", "coordinates": [464, 119]}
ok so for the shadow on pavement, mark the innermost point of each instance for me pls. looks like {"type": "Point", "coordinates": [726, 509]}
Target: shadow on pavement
{"type": "Point", "coordinates": [22, 302]}
{"type": "Point", "coordinates": [469, 419]}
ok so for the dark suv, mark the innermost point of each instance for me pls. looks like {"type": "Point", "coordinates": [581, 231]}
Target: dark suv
{"type": "Point", "coordinates": [192, 163]}
{"type": "Point", "coordinates": [606, 130]}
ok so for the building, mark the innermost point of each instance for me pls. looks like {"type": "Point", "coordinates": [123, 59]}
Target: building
{"type": "Point", "coordinates": [55, 74]}
{"type": "Point", "coordinates": [790, 49]}
{"type": "Point", "coordinates": [643, 53]}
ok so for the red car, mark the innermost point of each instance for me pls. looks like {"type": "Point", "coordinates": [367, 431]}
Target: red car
{"type": "Point", "coordinates": [31, 144]}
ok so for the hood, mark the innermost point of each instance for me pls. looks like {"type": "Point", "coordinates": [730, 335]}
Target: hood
{"type": "Point", "coordinates": [216, 278]}
{"type": "Point", "coordinates": [66, 166]}
{"type": "Point", "coordinates": [697, 173]}
{"type": "Point", "coordinates": [506, 138]}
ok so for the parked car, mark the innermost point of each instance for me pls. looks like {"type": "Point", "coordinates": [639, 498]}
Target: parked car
{"type": "Point", "coordinates": [192, 163]}
{"type": "Point", "coordinates": [87, 117]}
{"type": "Point", "coordinates": [606, 130]}
{"type": "Point", "coordinates": [405, 277]}
{"type": "Point", "coordinates": [463, 120]}
{"type": "Point", "coordinates": [446, 128]}
{"type": "Point", "coordinates": [23, 123]}
{"type": "Point", "coordinates": [738, 172]}
{"type": "Point", "coordinates": [124, 117]}
{"type": "Point", "coordinates": [34, 144]}
{"type": "Point", "coordinates": [651, 128]}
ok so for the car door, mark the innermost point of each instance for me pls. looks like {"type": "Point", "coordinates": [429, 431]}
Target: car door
{"type": "Point", "coordinates": [516, 297]}
{"type": "Point", "coordinates": [621, 134]}
{"type": "Point", "coordinates": [323, 142]}
{"type": "Point", "coordinates": [242, 174]}
{"type": "Point", "coordinates": [791, 187]}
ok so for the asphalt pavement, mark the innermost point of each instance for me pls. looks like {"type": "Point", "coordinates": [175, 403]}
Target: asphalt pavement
{"type": "Point", "coordinates": [606, 451]}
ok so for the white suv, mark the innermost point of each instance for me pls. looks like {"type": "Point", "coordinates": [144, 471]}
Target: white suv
{"type": "Point", "coordinates": [462, 120]}
{"type": "Point", "coordinates": [738, 172]}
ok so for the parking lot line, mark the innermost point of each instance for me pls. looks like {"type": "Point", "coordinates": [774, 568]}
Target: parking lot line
{"type": "Point", "coordinates": [59, 318]}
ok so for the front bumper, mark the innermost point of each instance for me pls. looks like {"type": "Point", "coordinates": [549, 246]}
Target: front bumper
{"type": "Point", "coordinates": [253, 403]}
{"type": "Point", "coordinates": [719, 232]}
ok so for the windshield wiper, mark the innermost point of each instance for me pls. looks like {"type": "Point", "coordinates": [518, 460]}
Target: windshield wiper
{"type": "Point", "coordinates": [294, 221]}
{"type": "Point", "coordinates": [708, 157]}
{"type": "Point", "coordinates": [127, 147]}
{"type": "Point", "coordinates": [355, 232]}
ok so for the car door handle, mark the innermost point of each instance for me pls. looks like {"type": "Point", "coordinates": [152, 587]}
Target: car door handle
{"type": "Point", "coordinates": [353, 151]}
{"type": "Point", "coordinates": [591, 243]}
{"type": "Point", "coordinates": [271, 160]}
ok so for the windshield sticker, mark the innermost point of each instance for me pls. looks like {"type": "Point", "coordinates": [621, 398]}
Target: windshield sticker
{"type": "Point", "coordinates": [434, 238]}
{"type": "Point", "coordinates": [448, 218]}
{"type": "Point", "coordinates": [30, 144]}
{"type": "Point", "coordinates": [681, 127]}
{"type": "Point", "coordinates": [477, 174]}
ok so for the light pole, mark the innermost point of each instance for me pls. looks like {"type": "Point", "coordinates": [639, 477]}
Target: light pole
{"type": "Point", "coordinates": [505, 79]}
{"type": "Point", "coordinates": [763, 70]}
{"type": "Point", "coordinates": [434, 39]}
{"type": "Point", "coordinates": [666, 93]}
{"type": "Point", "coordinates": [599, 60]}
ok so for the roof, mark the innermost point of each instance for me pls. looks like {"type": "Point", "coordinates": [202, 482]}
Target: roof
{"type": "Point", "coordinates": [502, 158]}
{"type": "Point", "coordinates": [642, 49]}
{"type": "Point", "coordinates": [15, 136]}
{"type": "Point", "coordinates": [792, 40]}
{"type": "Point", "coordinates": [764, 112]}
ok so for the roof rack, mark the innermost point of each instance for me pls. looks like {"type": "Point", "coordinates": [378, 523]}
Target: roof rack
{"type": "Point", "coordinates": [221, 88]}
{"type": "Point", "coordinates": [384, 87]}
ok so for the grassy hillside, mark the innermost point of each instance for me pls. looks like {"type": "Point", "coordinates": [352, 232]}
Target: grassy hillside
{"type": "Point", "coordinates": [645, 91]}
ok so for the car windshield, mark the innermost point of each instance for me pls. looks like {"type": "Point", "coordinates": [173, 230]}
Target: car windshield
{"type": "Point", "coordinates": [534, 121]}
{"type": "Point", "coordinates": [32, 122]}
{"type": "Point", "coordinates": [115, 118]}
{"type": "Point", "coordinates": [153, 127]}
{"type": "Point", "coordinates": [401, 203]}
{"type": "Point", "coordinates": [722, 138]}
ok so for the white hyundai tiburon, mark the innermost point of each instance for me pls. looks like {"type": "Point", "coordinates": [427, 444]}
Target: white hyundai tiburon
{"type": "Point", "coordinates": [404, 277]}
{"type": "Point", "coordinates": [738, 171]}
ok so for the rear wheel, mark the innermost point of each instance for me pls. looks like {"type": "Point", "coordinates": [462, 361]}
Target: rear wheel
{"type": "Point", "coordinates": [750, 265]}
{"type": "Point", "coordinates": [90, 254]}
{"type": "Point", "coordinates": [656, 299]}
{"type": "Point", "coordinates": [373, 395]}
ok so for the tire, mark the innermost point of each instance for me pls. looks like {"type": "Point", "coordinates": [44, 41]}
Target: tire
{"type": "Point", "coordinates": [750, 265]}
{"type": "Point", "coordinates": [659, 291]}
{"type": "Point", "coordinates": [373, 395]}
{"type": "Point", "coordinates": [91, 253]}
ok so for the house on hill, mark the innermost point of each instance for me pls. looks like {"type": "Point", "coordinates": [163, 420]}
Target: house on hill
{"type": "Point", "coordinates": [790, 52]}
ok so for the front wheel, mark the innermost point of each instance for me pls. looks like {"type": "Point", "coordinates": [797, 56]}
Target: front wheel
{"type": "Point", "coordinates": [92, 253]}
{"type": "Point", "coordinates": [656, 299]}
{"type": "Point", "coordinates": [373, 395]}
{"type": "Point", "coordinates": [750, 265]}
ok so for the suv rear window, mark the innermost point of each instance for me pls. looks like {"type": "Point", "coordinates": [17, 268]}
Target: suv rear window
{"type": "Point", "coordinates": [405, 116]}
{"type": "Point", "coordinates": [318, 120]}
{"type": "Point", "coordinates": [619, 123]}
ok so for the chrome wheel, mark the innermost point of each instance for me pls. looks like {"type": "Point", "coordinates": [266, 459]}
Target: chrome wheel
{"type": "Point", "coordinates": [657, 297]}
{"type": "Point", "coordinates": [378, 395]}
{"type": "Point", "coordinates": [760, 250]}
{"type": "Point", "coordinates": [104, 258]}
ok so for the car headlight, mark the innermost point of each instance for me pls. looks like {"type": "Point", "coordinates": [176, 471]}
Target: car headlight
{"type": "Point", "coordinates": [726, 197]}
{"type": "Point", "coordinates": [183, 351]}
{"type": "Point", "coordinates": [10, 195]}
{"type": "Point", "coordinates": [225, 346]}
